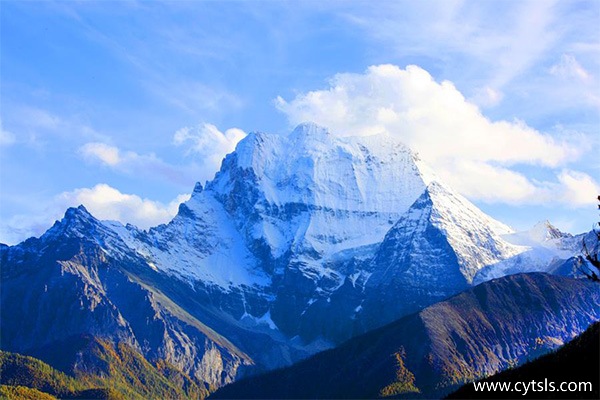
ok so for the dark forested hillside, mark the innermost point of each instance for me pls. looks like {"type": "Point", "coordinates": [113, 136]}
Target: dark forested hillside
{"type": "Point", "coordinates": [577, 361]}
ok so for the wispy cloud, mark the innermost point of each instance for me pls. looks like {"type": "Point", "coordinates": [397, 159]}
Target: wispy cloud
{"type": "Point", "coordinates": [42, 127]}
{"type": "Point", "coordinates": [504, 38]}
{"type": "Point", "coordinates": [487, 47]}
{"type": "Point", "coordinates": [569, 68]}
{"type": "Point", "coordinates": [6, 137]}
{"type": "Point", "coordinates": [132, 163]}
{"type": "Point", "coordinates": [166, 48]}
{"type": "Point", "coordinates": [477, 156]}
{"type": "Point", "coordinates": [192, 96]}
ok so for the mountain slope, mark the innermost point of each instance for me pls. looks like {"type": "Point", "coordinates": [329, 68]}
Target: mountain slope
{"type": "Point", "coordinates": [576, 362]}
{"type": "Point", "coordinates": [66, 284]}
{"type": "Point", "coordinates": [478, 332]}
{"type": "Point", "coordinates": [119, 373]}
{"type": "Point", "coordinates": [432, 252]}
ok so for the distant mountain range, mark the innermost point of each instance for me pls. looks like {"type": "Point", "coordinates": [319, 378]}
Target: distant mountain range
{"type": "Point", "coordinates": [299, 243]}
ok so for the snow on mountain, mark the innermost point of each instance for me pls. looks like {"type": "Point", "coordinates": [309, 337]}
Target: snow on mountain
{"type": "Point", "coordinates": [315, 194]}
{"type": "Point", "coordinates": [544, 248]}
{"type": "Point", "coordinates": [434, 250]}
{"type": "Point", "coordinates": [310, 166]}
{"type": "Point", "coordinates": [474, 236]}
{"type": "Point", "coordinates": [200, 243]}
{"type": "Point", "coordinates": [541, 234]}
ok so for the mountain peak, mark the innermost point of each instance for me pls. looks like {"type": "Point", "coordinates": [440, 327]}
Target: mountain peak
{"type": "Point", "coordinates": [309, 189]}
{"type": "Point", "coordinates": [544, 230]}
{"type": "Point", "coordinates": [76, 217]}
{"type": "Point", "coordinates": [79, 222]}
{"type": "Point", "coordinates": [309, 129]}
{"type": "Point", "coordinates": [77, 212]}
{"type": "Point", "coordinates": [312, 167]}
{"type": "Point", "coordinates": [439, 244]}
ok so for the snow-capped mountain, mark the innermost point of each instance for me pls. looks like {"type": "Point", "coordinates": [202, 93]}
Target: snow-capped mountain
{"type": "Point", "coordinates": [544, 248]}
{"type": "Point", "coordinates": [293, 226]}
{"type": "Point", "coordinates": [434, 250]}
{"type": "Point", "coordinates": [80, 282]}
{"type": "Point", "coordinates": [308, 197]}
{"type": "Point", "coordinates": [322, 237]}
{"type": "Point", "coordinates": [299, 242]}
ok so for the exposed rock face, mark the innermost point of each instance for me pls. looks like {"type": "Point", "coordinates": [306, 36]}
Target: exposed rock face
{"type": "Point", "coordinates": [485, 329]}
{"type": "Point", "coordinates": [65, 285]}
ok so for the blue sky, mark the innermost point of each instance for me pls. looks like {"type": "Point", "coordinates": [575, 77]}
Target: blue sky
{"type": "Point", "coordinates": [123, 106]}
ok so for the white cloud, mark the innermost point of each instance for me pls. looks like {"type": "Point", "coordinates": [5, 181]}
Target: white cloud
{"type": "Point", "coordinates": [490, 183]}
{"type": "Point", "coordinates": [487, 97]}
{"type": "Point", "coordinates": [579, 189]}
{"type": "Point", "coordinates": [6, 137]}
{"type": "Point", "coordinates": [205, 142]}
{"type": "Point", "coordinates": [209, 144]}
{"type": "Point", "coordinates": [569, 67]}
{"type": "Point", "coordinates": [102, 201]}
{"type": "Point", "coordinates": [109, 155]}
{"type": "Point", "coordinates": [472, 153]}
{"type": "Point", "coordinates": [107, 203]}
{"type": "Point", "coordinates": [130, 162]}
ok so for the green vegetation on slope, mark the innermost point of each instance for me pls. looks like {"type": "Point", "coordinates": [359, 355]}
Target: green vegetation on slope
{"type": "Point", "coordinates": [405, 380]}
{"type": "Point", "coordinates": [18, 372]}
{"type": "Point", "coordinates": [125, 370]}
{"type": "Point", "coordinates": [108, 372]}
{"type": "Point", "coordinates": [23, 393]}
{"type": "Point", "coordinates": [429, 354]}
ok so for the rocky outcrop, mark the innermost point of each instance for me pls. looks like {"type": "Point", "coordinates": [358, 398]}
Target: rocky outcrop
{"type": "Point", "coordinates": [65, 285]}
